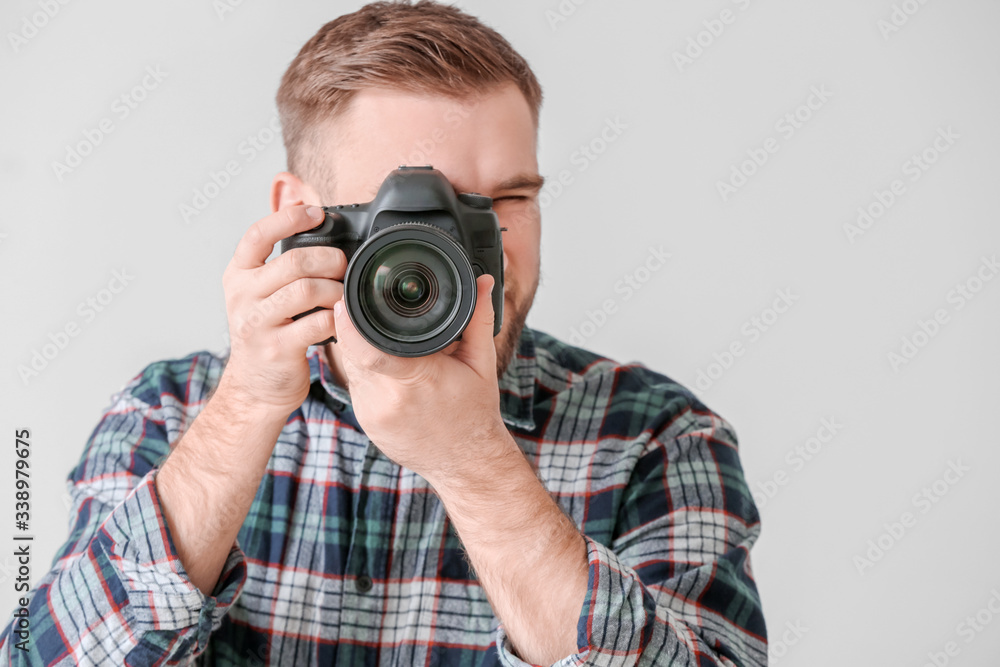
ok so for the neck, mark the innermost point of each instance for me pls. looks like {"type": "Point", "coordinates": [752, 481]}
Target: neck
{"type": "Point", "coordinates": [332, 356]}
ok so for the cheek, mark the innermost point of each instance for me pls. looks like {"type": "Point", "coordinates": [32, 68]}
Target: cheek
{"type": "Point", "coordinates": [520, 245]}
{"type": "Point", "coordinates": [520, 256]}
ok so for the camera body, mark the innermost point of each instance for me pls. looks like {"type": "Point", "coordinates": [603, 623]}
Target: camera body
{"type": "Point", "coordinates": [414, 253]}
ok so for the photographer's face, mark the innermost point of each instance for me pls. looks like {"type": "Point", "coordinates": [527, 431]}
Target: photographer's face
{"type": "Point", "coordinates": [485, 144]}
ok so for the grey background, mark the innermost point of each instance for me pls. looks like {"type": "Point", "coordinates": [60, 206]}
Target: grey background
{"type": "Point", "coordinates": [655, 185]}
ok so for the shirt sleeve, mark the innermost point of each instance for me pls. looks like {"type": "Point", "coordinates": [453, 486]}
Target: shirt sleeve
{"type": "Point", "coordinates": [675, 587]}
{"type": "Point", "coordinates": [117, 592]}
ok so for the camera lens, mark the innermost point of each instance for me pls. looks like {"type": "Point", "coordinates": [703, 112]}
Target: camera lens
{"type": "Point", "coordinates": [410, 290]}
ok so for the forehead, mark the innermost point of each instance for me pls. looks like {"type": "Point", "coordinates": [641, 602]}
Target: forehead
{"type": "Point", "coordinates": [477, 142]}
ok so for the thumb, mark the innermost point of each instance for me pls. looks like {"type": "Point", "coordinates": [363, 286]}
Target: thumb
{"type": "Point", "coordinates": [357, 352]}
{"type": "Point", "coordinates": [476, 348]}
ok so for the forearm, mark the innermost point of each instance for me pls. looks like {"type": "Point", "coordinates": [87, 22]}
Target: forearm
{"type": "Point", "coordinates": [209, 481]}
{"type": "Point", "coordinates": [115, 589]}
{"type": "Point", "coordinates": [527, 554]}
{"type": "Point", "coordinates": [538, 584]}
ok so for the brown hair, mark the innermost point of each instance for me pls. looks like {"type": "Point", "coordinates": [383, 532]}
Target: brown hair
{"type": "Point", "coordinates": [427, 47]}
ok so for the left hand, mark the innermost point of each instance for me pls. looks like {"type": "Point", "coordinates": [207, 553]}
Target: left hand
{"type": "Point", "coordinates": [431, 414]}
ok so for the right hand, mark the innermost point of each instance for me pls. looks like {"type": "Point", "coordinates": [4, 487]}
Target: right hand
{"type": "Point", "coordinates": [267, 367]}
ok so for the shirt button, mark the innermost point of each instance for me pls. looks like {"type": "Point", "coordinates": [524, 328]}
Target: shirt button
{"type": "Point", "coordinates": [363, 583]}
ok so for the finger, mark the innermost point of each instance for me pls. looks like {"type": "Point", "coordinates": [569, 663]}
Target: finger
{"type": "Point", "coordinates": [304, 295]}
{"type": "Point", "coordinates": [296, 264]}
{"type": "Point", "coordinates": [309, 330]}
{"type": "Point", "coordinates": [476, 349]}
{"type": "Point", "coordinates": [294, 299]}
{"type": "Point", "coordinates": [361, 354]}
{"type": "Point", "coordinates": [258, 242]}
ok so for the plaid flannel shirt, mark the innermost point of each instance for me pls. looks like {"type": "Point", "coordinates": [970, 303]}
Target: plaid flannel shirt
{"type": "Point", "coordinates": [345, 558]}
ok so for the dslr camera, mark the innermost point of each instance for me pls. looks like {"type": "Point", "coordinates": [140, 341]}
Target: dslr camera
{"type": "Point", "coordinates": [414, 253]}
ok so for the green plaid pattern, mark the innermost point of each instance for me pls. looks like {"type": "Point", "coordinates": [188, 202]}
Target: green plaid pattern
{"type": "Point", "coordinates": [345, 558]}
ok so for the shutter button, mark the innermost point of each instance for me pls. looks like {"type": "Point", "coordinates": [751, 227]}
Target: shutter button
{"type": "Point", "coordinates": [363, 583]}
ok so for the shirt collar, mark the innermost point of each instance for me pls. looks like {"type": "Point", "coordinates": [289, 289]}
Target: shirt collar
{"type": "Point", "coordinates": [517, 386]}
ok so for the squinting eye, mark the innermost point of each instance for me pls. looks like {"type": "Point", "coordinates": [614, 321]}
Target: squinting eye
{"type": "Point", "coordinates": [512, 197]}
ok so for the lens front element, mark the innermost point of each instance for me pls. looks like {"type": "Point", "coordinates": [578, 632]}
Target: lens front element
{"type": "Point", "coordinates": [410, 289]}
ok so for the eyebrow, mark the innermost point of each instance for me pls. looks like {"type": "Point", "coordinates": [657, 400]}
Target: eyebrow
{"type": "Point", "coordinates": [532, 182]}
{"type": "Point", "coordinates": [521, 182]}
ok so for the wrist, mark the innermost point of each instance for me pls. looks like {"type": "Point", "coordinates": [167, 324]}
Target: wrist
{"type": "Point", "coordinates": [242, 408]}
{"type": "Point", "coordinates": [492, 464]}
{"type": "Point", "coordinates": [229, 435]}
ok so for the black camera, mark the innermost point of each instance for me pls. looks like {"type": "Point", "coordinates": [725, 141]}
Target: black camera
{"type": "Point", "coordinates": [414, 253]}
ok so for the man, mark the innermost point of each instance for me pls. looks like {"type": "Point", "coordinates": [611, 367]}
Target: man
{"type": "Point", "coordinates": [504, 501]}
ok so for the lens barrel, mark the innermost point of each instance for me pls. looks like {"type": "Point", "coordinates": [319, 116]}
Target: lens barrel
{"type": "Point", "coordinates": [410, 290]}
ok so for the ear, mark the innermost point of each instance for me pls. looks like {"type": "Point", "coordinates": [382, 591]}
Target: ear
{"type": "Point", "coordinates": [287, 189]}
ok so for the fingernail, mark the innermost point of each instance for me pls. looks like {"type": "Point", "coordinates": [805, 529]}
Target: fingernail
{"type": "Point", "coordinates": [316, 213]}
{"type": "Point", "coordinates": [337, 307]}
